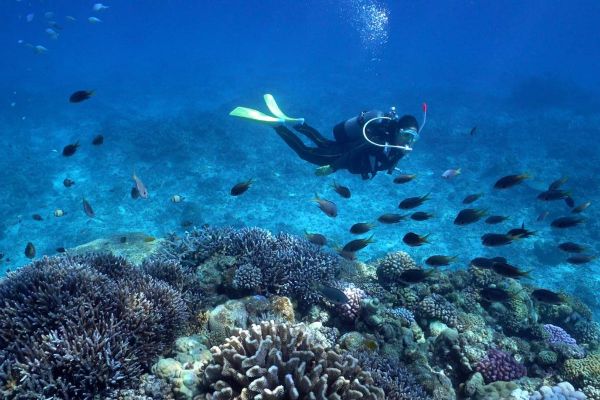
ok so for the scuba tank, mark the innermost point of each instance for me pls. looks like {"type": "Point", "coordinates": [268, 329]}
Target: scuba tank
{"type": "Point", "coordinates": [351, 129]}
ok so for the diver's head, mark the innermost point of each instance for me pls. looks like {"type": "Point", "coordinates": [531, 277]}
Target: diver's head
{"type": "Point", "coordinates": [408, 129]}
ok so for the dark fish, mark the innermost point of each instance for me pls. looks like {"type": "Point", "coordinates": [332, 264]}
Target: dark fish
{"type": "Point", "coordinates": [61, 250]}
{"type": "Point", "coordinates": [332, 294]}
{"type": "Point", "coordinates": [579, 259]}
{"type": "Point", "coordinates": [439, 260]}
{"type": "Point", "coordinates": [123, 239]}
{"type": "Point", "coordinates": [341, 190]}
{"type": "Point", "coordinates": [391, 218]}
{"type": "Point", "coordinates": [37, 217]}
{"type": "Point", "coordinates": [473, 131]}
{"type": "Point", "coordinates": [240, 187]}
{"type": "Point", "coordinates": [414, 240]}
{"type": "Point", "coordinates": [87, 209]}
{"type": "Point", "coordinates": [30, 250]}
{"type": "Point", "coordinates": [328, 207]}
{"type": "Point", "coordinates": [566, 222]}
{"type": "Point", "coordinates": [496, 239]}
{"type": "Point", "coordinates": [357, 244]}
{"type": "Point", "coordinates": [404, 178]}
{"type": "Point", "coordinates": [70, 149]}
{"type": "Point", "coordinates": [98, 140]}
{"type": "Point", "coordinates": [547, 296]}
{"type": "Point", "coordinates": [581, 207]}
{"type": "Point", "coordinates": [413, 202]}
{"type": "Point", "coordinates": [571, 247]}
{"type": "Point", "coordinates": [510, 181]}
{"type": "Point", "coordinates": [348, 255]}
{"type": "Point", "coordinates": [472, 198]}
{"type": "Point", "coordinates": [135, 193]}
{"type": "Point", "coordinates": [569, 201]}
{"type": "Point", "coordinates": [553, 194]}
{"type": "Point", "coordinates": [520, 233]}
{"type": "Point", "coordinates": [495, 219]}
{"type": "Point", "coordinates": [81, 95]}
{"type": "Point", "coordinates": [486, 263]}
{"type": "Point", "coordinates": [361, 227]}
{"type": "Point", "coordinates": [420, 216]}
{"type": "Point", "coordinates": [414, 275]}
{"type": "Point", "coordinates": [509, 271]}
{"type": "Point", "coordinates": [68, 182]}
{"type": "Point", "coordinates": [558, 183]}
{"type": "Point", "coordinates": [316, 238]}
{"type": "Point", "coordinates": [495, 294]}
{"type": "Point", "coordinates": [542, 216]}
{"type": "Point", "coordinates": [469, 216]}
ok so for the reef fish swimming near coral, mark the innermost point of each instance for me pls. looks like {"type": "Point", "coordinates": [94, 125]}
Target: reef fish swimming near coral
{"type": "Point", "coordinates": [509, 181]}
{"type": "Point", "coordinates": [328, 207]}
{"type": "Point", "coordinates": [241, 187]}
{"type": "Point", "coordinates": [343, 191]}
{"type": "Point", "coordinates": [81, 95]}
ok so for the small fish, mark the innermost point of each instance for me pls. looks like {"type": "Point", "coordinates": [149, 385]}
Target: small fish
{"type": "Point", "coordinates": [370, 345]}
{"type": "Point", "coordinates": [149, 239]}
{"type": "Point", "coordinates": [473, 131]}
{"type": "Point", "coordinates": [135, 193]}
{"type": "Point", "coordinates": [520, 233]}
{"type": "Point", "coordinates": [472, 198]}
{"type": "Point", "coordinates": [509, 271]}
{"type": "Point", "coordinates": [70, 149]}
{"type": "Point", "coordinates": [413, 202]}
{"type": "Point", "coordinates": [558, 183]}
{"type": "Point", "coordinates": [569, 202]}
{"type": "Point", "coordinates": [98, 140]}
{"type": "Point", "coordinates": [316, 238]}
{"type": "Point", "coordinates": [94, 20]}
{"type": "Point", "coordinates": [414, 240]}
{"type": "Point", "coordinates": [421, 216]}
{"type": "Point", "coordinates": [486, 263]}
{"type": "Point", "coordinates": [357, 244]}
{"type": "Point", "coordinates": [341, 190]}
{"type": "Point", "coordinates": [391, 218]}
{"type": "Point", "coordinates": [571, 247]}
{"type": "Point", "coordinates": [347, 255]}
{"type": "Point", "coordinates": [30, 250]}
{"type": "Point", "coordinates": [361, 227]}
{"type": "Point", "coordinates": [542, 216]}
{"type": "Point", "coordinates": [37, 217]}
{"type": "Point", "coordinates": [52, 33]}
{"type": "Point", "coordinates": [68, 182]}
{"type": "Point", "coordinates": [440, 261]}
{"type": "Point", "coordinates": [404, 178]}
{"type": "Point", "coordinates": [70, 18]}
{"type": "Point", "coordinates": [87, 209]}
{"type": "Point", "coordinates": [414, 275]}
{"type": "Point", "coordinates": [553, 194]}
{"type": "Point", "coordinates": [328, 207]}
{"type": "Point", "coordinates": [241, 187]}
{"type": "Point", "coordinates": [30, 17]}
{"type": "Point", "coordinates": [581, 207]}
{"type": "Point", "coordinates": [81, 95]}
{"type": "Point", "coordinates": [495, 219]}
{"type": "Point", "coordinates": [579, 259]}
{"type": "Point", "coordinates": [510, 181]}
{"type": "Point", "coordinates": [99, 7]}
{"type": "Point", "coordinates": [451, 173]}
{"type": "Point", "coordinates": [496, 239]}
{"type": "Point", "coordinates": [547, 296]}
{"type": "Point", "coordinates": [61, 250]}
{"type": "Point", "coordinates": [495, 294]}
{"type": "Point", "coordinates": [141, 188]}
{"type": "Point", "coordinates": [54, 25]}
{"type": "Point", "coordinates": [469, 216]}
{"type": "Point", "coordinates": [48, 15]}
{"type": "Point", "coordinates": [566, 222]}
{"type": "Point", "coordinates": [332, 294]}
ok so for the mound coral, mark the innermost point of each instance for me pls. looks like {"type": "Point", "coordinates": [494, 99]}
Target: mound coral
{"type": "Point", "coordinates": [438, 308]}
{"type": "Point", "coordinates": [391, 266]}
{"type": "Point", "coordinates": [351, 309]}
{"type": "Point", "coordinates": [500, 366]}
{"type": "Point", "coordinates": [274, 361]}
{"type": "Point", "coordinates": [81, 327]}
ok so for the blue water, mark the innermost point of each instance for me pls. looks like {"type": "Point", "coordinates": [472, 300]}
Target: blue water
{"type": "Point", "coordinates": [166, 75]}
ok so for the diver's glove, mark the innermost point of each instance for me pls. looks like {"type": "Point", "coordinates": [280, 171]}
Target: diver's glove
{"type": "Point", "coordinates": [324, 170]}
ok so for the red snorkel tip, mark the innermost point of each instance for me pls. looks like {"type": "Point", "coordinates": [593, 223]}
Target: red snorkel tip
{"type": "Point", "coordinates": [424, 107]}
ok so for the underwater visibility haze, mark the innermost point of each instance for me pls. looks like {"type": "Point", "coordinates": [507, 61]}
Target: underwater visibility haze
{"type": "Point", "coordinates": [337, 199]}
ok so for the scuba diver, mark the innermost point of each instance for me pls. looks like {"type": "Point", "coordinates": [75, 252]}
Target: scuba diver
{"type": "Point", "coordinates": [371, 142]}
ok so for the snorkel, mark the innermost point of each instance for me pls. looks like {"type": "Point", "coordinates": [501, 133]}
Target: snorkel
{"type": "Point", "coordinates": [412, 132]}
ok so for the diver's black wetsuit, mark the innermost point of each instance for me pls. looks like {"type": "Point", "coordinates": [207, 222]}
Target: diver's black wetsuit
{"type": "Point", "coordinates": [356, 155]}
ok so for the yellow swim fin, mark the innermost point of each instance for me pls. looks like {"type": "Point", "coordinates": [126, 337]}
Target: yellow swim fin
{"type": "Point", "coordinates": [254, 115]}
{"type": "Point", "coordinates": [276, 111]}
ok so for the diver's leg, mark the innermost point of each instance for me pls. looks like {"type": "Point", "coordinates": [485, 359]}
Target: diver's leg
{"type": "Point", "coordinates": [314, 155]}
{"type": "Point", "coordinates": [313, 134]}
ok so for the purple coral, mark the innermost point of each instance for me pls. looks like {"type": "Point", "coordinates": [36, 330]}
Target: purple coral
{"type": "Point", "coordinates": [499, 365]}
{"type": "Point", "coordinates": [351, 309]}
{"type": "Point", "coordinates": [557, 335]}
{"type": "Point", "coordinates": [403, 314]}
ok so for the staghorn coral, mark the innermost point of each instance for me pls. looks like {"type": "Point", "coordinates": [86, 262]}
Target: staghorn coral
{"type": "Point", "coordinates": [81, 327]}
{"type": "Point", "coordinates": [438, 308]}
{"type": "Point", "coordinates": [391, 266]}
{"type": "Point", "coordinates": [274, 361]}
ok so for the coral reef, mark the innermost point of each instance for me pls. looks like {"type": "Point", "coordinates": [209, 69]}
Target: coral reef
{"type": "Point", "coordinates": [391, 266]}
{"type": "Point", "coordinates": [500, 366]}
